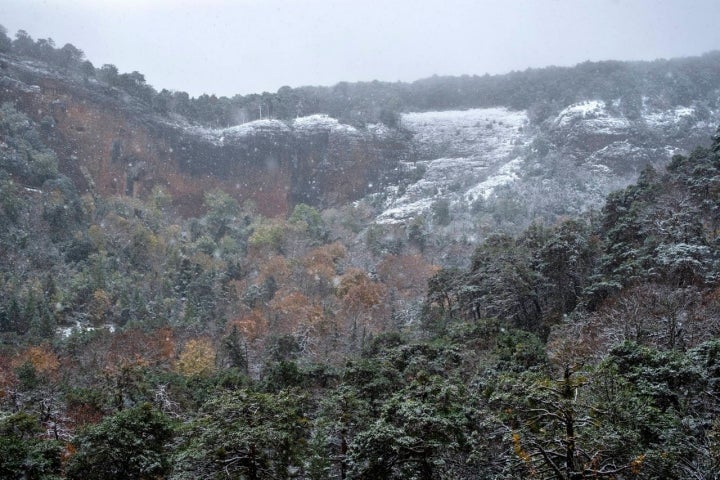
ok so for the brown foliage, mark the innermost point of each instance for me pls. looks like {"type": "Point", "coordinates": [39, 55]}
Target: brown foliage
{"type": "Point", "coordinates": [7, 375]}
{"type": "Point", "coordinates": [275, 267]}
{"type": "Point", "coordinates": [252, 325]}
{"type": "Point", "coordinates": [42, 358]}
{"type": "Point", "coordinates": [359, 292]}
{"type": "Point", "coordinates": [136, 347]}
{"type": "Point", "coordinates": [322, 261]}
{"type": "Point", "coordinates": [114, 353]}
{"type": "Point", "coordinates": [648, 314]}
{"type": "Point", "coordinates": [290, 310]}
{"type": "Point", "coordinates": [80, 414]}
{"type": "Point", "coordinates": [365, 303]}
{"type": "Point", "coordinates": [408, 274]}
{"type": "Point", "coordinates": [99, 306]}
{"type": "Point", "coordinates": [320, 267]}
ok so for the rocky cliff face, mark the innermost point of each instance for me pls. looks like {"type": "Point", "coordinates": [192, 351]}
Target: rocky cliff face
{"type": "Point", "coordinates": [109, 143]}
{"type": "Point", "coordinates": [314, 160]}
{"type": "Point", "coordinates": [465, 171]}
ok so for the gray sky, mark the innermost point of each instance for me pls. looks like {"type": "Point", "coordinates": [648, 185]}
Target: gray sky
{"type": "Point", "coordinates": [249, 46]}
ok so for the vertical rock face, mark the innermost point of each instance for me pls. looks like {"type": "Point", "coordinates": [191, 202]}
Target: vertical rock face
{"type": "Point", "coordinates": [108, 144]}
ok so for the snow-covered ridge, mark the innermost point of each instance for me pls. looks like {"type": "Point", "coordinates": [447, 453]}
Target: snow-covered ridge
{"type": "Point", "coordinates": [592, 115]}
{"type": "Point", "coordinates": [268, 127]}
{"type": "Point", "coordinates": [221, 136]}
{"type": "Point", "coordinates": [254, 128]}
{"type": "Point", "coordinates": [597, 115]}
{"type": "Point", "coordinates": [585, 110]}
{"type": "Point", "coordinates": [313, 123]}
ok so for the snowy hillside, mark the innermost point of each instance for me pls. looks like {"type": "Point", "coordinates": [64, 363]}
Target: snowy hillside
{"type": "Point", "coordinates": [491, 166]}
{"type": "Point", "coordinates": [476, 151]}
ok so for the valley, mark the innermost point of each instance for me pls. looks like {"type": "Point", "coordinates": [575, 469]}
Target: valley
{"type": "Point", "coordinates": [426, 280]}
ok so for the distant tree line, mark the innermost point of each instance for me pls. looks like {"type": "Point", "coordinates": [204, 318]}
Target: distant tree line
{"type": "Point", "coordinates": [543, 92]}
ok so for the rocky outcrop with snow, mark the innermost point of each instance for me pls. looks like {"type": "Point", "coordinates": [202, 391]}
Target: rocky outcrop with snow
{"type": "Point", "coordinates": [476, 149]}
{"type": "Point", "coordinates": [488, 164]}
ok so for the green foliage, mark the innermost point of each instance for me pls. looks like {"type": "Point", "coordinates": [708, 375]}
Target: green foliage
{"type": "Point", "coordinates": [27, 376]}
{"type": "Point", "coordinates": [341, 416]}
{"type": "Point", "coordinates": [235, 348]}
{"type": "Point", "coordinates": [441, 211]}
{"type": "Point", "coordinates": [5, 41]}
{"type": "Point", "coordinates": [380, 240]}
{"type": "Point", "coordinates": [375, 379]}
{"type": "Point", "coordinates": [417, 233]}
{"type": "Point", "coordinates": [244, 434]}
{"type": "Point", "coordinates": [267, 236]}
{"type": "Point", "coordinates": [10, 202]}
{"type": "Point", "coordinates": [284, 374]}
{"type": "Point", "coordinates": [131, 444]}
{"type": "Point", "coordinates": [419, 431]}
{"type": "Point", "coordinates": [519, 350]}
{"type": "Point", "coordinates": [308, 219]}
{"type": "Point", "coordinates": [61, 205]}
{"type": "Point", "coordinates": [505, 283]}
{"type": "Point", "coordinates": [223, 211]}
{"type": "Point", "coordinates": [640, 411]}
{"type": "Point", "coordinates": [23, 454]}
{"type": "Point", "coordinates": [645, 397]}
{"type": "Point", "coordinates": [27, 157]}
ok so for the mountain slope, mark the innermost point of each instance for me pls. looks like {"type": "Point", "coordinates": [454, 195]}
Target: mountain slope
{"type": "Point", "coordinates": [109, 142]}
{"type": "Point", "coordinates": [496, 169]}
{"type": "Point", "coordinates": [490, 168]}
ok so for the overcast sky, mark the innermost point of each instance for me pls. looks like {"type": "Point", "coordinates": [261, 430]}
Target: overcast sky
{"type": "Point", "coordinates": [250, 46]}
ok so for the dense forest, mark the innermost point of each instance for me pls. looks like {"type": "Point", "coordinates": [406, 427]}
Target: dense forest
{"type": "Point", "coordinates": [139, 344]}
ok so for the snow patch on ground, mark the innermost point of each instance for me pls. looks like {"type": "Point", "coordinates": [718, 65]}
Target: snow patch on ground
{"type": "Point", "coordinates": [465, 133]}
{"type": "Point", "coordinates": [616, 150]}
{"type": "Point", "coordinates": [79, 327]}
{"type": "Point", "coordinates": [589, 109]}
{"type": "Point", "coordinates": [378, 129]}
{"type": "Point", "coordinates": [508, 173]}
{"type": "Point", "coordinates": [671, 151]}
{"type": "Point", "coordinates": [405, 211]}
{"type": "Point", "coordinates": [667, 118]}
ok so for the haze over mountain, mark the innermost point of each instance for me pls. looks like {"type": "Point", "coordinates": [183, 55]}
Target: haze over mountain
{"type": "Point", "coordinates": [239, 47]}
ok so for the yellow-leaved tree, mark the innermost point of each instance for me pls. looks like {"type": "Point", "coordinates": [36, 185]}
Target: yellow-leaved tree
{"type": "Point", "coordinates": [197, 358]}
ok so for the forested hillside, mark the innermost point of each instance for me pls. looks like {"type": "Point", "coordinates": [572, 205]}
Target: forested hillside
{"type": "Point", "coordinates": [245, 333]}
{"type": "Point", "coordinates": [587, 349]}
